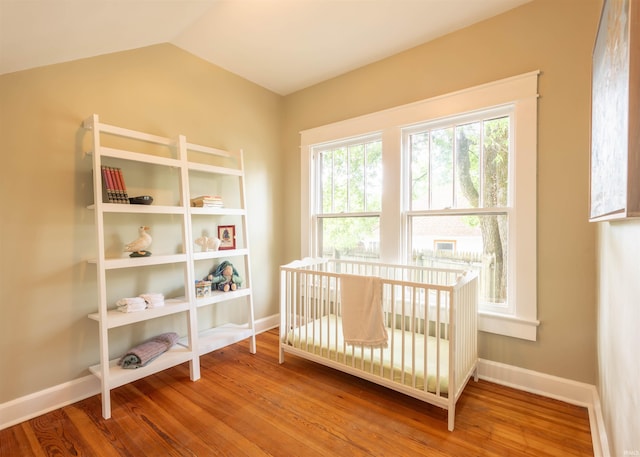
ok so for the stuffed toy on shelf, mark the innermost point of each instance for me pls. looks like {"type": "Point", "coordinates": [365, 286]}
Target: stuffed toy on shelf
{"type": "Point", "coordinates": [225, 277]}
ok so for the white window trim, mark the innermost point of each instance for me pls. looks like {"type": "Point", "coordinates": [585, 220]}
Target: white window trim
{"type": "Point", "coordinates": [519, 91]}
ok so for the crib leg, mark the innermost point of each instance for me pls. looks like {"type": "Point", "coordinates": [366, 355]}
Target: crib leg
{"type": "Point", "coordinates": [475, 374]}
{"type": "Point", "coordinates": [281, 358]}
{"type": "Point", "coordinates": [452, 418]}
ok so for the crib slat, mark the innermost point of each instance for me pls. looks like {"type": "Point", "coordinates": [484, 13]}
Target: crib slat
{"type": "Point", "coordinates": [393, 334]}
{"type": "Point", "coordinates": [413, 337]}
{"type": "Point", "coordinates": [426, 340]}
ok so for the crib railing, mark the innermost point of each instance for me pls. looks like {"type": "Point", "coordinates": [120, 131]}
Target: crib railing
{"type": "Point", "coordinates": [431, 316]}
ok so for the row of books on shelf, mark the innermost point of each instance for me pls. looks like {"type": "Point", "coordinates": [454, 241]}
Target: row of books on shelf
{"type": "Point", "coordinates": [113, 183]}
{"type": "Point", "coordinates": [116, 190]}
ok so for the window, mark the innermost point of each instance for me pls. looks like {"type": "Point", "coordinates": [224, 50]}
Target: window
{"type": "Point", "coordinates": [444, 245]}
{"type": "Point", "coordinates": [347, 199]}
{"type": "Point", "coordinates": [448, 181]}
{"type": "Point", "coordinates": [457, 187]}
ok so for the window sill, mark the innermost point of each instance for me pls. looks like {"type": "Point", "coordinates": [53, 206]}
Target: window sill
{"type": "Point", "coordinates": [514, 327]}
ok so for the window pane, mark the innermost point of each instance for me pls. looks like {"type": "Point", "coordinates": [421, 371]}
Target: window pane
{"type": "Point", "coordinates": [468, 165]}
{"type": "Point", "coordinates": [374, 176]}
{"type": "Point", "coordinates": [326, 173]}
{"type": "Point", "coordinates": [356, 178]}
{"type": "Point", "coordinates": [419, 152]}
{"type": "Point", "coordinates": [441, 168]}
{"type": "Point", "coordinates": [477, 180]}
{"type": "Point", "coordinates": [340, 180]}
{"type": "Point", "coordinates": [463, 242]}
{"type": "Point", "coordinates": [496, 162]}
{"type": "Point", "coordinates": [350, 178]}
{"type": "Point", "coordinates": [349, 237]}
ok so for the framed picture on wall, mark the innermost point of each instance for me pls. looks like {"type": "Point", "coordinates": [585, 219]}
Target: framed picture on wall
{"type": "Point", "coordinates": [227, 235]}
{"type": "Point", "coordinates": [615, 113]}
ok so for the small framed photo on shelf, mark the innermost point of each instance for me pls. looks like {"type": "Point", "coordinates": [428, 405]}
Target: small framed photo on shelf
{"type": "Point", "coordinates": [227, 236]}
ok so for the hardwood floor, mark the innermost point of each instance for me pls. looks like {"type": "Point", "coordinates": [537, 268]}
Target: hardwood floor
{"type": "Point", "coordinates": [249, 405]}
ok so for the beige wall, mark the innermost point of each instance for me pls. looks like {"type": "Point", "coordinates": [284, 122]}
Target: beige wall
{"type": "Point", "coordinates": [618, 333]}
{"type": "Point", "coordinates": [556, 37]}
{"type": "Point", "coordinates": [46, 286]}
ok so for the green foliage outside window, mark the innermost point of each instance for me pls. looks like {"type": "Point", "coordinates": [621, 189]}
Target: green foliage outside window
{"type": "Point", "coordinates": [351, 183]}
{"type": "Point", "coordinates": [460, 167]}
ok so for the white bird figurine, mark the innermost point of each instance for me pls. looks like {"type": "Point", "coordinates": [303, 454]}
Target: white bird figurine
{"type": "Point", "coordinates": [138, 248]}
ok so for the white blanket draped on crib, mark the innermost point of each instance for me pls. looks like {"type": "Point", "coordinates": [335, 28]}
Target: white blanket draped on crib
{"type": "Point", "coordinates": [362, 316]}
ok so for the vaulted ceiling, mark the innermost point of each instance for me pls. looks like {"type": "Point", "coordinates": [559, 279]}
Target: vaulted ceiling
{"type": "Point", "coordinates": [282, 45]}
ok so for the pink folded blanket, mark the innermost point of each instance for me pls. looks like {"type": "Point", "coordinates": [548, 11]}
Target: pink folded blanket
{"type": "Point", "coordinates": [142, 354]}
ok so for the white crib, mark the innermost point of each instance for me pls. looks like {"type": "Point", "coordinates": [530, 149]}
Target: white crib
{"type": "Point", "coordinates": [430, 316]}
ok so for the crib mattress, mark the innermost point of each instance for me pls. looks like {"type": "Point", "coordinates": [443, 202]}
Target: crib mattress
{"type": "Point", "coordinates": [323, 337]}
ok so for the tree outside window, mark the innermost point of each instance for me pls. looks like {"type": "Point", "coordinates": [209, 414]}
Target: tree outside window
{"type": "Point", "coordinates": [349, 176]}
{"type": "Point", "coordinates": [459, 188]}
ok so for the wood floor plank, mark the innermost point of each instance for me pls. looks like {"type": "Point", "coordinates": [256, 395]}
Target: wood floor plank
{"type": "Point", "coordinates": [20, 440]}
{"type": "Point", "coordinates": [98, 444]}
{"type": "Point", "coordinates": [248, 405]}
{"type": "Point", "coordinates": [125, 442]}
{"type": "Point", "coordinates": [57, 435]}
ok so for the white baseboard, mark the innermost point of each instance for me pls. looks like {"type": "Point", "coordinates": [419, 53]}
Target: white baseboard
{"type": "Point", "coordinates": [573, 392]}
{"type": "Point", "coordinates": [267, 323]}
{"type": "Point", "coordinates": [577, 393]}
{"type": "Point", "coordinates": [24, 408]}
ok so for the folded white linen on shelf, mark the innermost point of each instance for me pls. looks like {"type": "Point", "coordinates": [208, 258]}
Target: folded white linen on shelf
{"type": "Point", "coordinates": [131, 304]}
{"type": "Point", "coordinates": [153, 300]}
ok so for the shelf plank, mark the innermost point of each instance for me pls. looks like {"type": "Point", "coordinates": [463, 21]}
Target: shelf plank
{"type": "Point", "coordinates": [217, 211]}
{"type": "Point", "coordinates": [219, 337]}
{"type": "Point", "coordinates": [129, 133]}
{"type": "Point", "coordinates": [129, 262]}
{"type": "Point", "coordinates": [117, 318]}
{"type": "Point", "coordinates": [210, 150]}
{"type": "Point", "coordinates": [139, 157]}
{"type": "Point", "coordinates": [139, 209]}
{"type": "Point", "coordinates": [207, 255]}
{"type": "Point", "coordinates": [119, 376]}
{"type": "Point", "coordinates": [214, 169]}
{"type": "Point", "coordinates": [219, 296]}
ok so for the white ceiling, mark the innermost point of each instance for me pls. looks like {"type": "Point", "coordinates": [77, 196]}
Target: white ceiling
{"type": "Point", "coordinates": [282, 45]}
